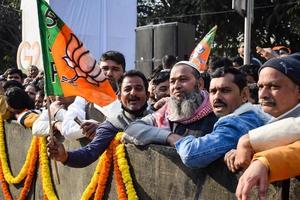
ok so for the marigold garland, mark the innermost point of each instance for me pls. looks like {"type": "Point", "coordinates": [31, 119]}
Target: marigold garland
{"type": "Point", "coordinates": [3, 157]}
{"type": "Point", "coordinates": [118, 177]}
{"type": "Point", "coordinates": [124, 168]}
{"type": "Point", "coordinates": [4, 185]}
{"type": "Point", "coordinates": [31, 172]}
{"type": "Point", "coordinates": [27, 170]}
{"type": "Point", "coordinates": [45, 171]}
{"type": "Point", "coordinates": [99, 179]}
{"type": "Point", "coordinates": [115, 152]}
{"type": "Point", "coordinates": [103, 177]}
{"type": "Point", "coordinates": [90, 189]}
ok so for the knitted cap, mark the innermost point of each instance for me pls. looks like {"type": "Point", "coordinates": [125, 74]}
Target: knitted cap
{"type": "Point", "coordinates": [190, 64]}
{"type": "Point", "coordinates": [289, 66]}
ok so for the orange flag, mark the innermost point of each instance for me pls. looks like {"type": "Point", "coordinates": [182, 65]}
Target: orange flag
{"type": "Point", "coordinates": [201, 52]}
{"type": "Point", "coordinates": [70, 69]}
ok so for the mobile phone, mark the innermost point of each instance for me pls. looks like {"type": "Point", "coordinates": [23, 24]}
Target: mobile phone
{"type": "Point", "coordinates": [78, 121]}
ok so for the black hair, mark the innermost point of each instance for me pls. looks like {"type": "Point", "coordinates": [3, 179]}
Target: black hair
{"type": "Point", "coordinates": [162, 76]}
{"type": "Point", "coordinates": [132, 73]}
{"type": "Point", "coordinates": [37, 88]}
{"type": "Point", "coordinates": [114, 56]}
{"type": "Point", "coordinates": [168, 61]}
{"type": "Point", "coordinates": [251, 70]}
{"type": "Point", "coordinates": [10, 71]}
{"type": "Point", "coordinates": [238, 60]}
{"type": "Point", "coordinates": [18, 99]}
{"type": "Point", "coordinates": [238, 77]}
{"type": "Point", "coordinates": [217, 62]}
{"type": "Point", "coordinates": [206, 79]}
{"type": "Point", "coordinates": [155, 72]}
{"type": "Point", "coordinates": [12, 83]}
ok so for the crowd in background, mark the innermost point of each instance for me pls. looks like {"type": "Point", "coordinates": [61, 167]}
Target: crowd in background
{"type": "Point", "coordinates": [204, 115]}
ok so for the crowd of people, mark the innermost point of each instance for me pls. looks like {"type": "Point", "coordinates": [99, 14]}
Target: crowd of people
{"type": "Point", "coordinates": [246, 114]}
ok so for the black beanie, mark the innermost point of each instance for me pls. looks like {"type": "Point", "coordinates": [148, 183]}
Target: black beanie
{"type": "Point", "coordinates": [289, 66]}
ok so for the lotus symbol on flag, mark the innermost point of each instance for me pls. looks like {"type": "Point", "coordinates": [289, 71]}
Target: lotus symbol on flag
{"type": "Point", "coordinates": [80, 60]}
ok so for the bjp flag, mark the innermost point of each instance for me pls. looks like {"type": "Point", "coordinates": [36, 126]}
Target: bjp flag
{"type": "Point", "coordinates": [70, 69]}
{"type": "Point", "coordinates": [201, 52]}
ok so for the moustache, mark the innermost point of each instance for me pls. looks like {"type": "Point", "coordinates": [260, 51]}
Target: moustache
{"type": "Point", "coordinates": [267, 102]}
{"type": "Point", "coordinates": [218, 103]}
{"type": "Point", "coordinates": [133, 98]}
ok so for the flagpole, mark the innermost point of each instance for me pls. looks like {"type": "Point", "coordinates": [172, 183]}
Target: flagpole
{"type": "Point", "coordinates": [51, 136]}
{"type": "Point", "coordinates": [247, 30]}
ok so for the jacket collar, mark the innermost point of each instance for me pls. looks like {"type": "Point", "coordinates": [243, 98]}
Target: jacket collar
{"type": "Point", "coordinates": [294, 112]}
{"type": "Point", "coordinates": [246, 107]}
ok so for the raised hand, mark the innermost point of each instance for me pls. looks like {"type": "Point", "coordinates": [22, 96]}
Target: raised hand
{"type": "Point", "coordinates": [56, 150]}
{"type": "Point", "coordinates": [89, 128]}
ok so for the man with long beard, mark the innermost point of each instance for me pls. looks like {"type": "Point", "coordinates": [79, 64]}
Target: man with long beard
{"type": "Point", "coordinates": [228, 97]}
{"type": "Point", "coordinates": [187, 112]}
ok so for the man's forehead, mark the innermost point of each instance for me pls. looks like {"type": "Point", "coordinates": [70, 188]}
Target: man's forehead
{"type": "Point", "coordinates": [166, 82]}
{"type": "Point", "coordinates": [225, 81]}
{"type": "Point", "coordinates": [14, 75]}
{"type": "Point", "coordinates": [109, 63]}
{"type": "Point", "coordinates": [132, 80]}
{"type": "Point", "coordinates": [181, 70]}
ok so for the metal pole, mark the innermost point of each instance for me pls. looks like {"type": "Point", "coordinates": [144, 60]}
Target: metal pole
{"type": "Point", "coordinates": [247, 30]}
{"type": "Point", "coordinates": [51, 135]}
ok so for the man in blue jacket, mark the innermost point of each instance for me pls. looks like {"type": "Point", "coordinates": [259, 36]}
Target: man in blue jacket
{"type": "Point", "coordinates": [228, 97]}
